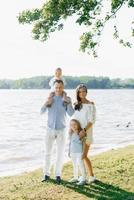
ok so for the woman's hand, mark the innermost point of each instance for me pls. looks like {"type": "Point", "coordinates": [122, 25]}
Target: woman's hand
{"type": "Point", "coordinates": [82, 134]}
{"type": "Point", "coordinates": [84, 156]}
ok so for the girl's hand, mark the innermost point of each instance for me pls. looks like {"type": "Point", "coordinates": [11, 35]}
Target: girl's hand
{"type": "Point", "coordinates": [82, 134]}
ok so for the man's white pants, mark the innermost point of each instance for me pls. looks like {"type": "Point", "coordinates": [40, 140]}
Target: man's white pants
{"type": "Point", "coordinates": [59, 136]}
{"type": "Point", "coordinates": [78, 163]}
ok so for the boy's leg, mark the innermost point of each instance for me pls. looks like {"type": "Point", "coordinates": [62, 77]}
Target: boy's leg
{"type": "Point", "coordinates": [51, 95]}
{"type": "Point", "coordinates": [66, 99]}
{"type": "Point", "coordinates": [60, 141]}
{"type": "Point", "coordinates": [64, 94]}
{"type": "Point", "coordinates": [50, 98]}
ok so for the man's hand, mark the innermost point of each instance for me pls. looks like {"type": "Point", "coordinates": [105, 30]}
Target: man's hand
{"type": "Point", "coordinates": [82, 134]}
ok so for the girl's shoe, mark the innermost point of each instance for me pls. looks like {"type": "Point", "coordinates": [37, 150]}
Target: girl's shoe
{"type": "Point", "coordinates": [81, 178]}
{"type": "Point", "coordinates": [81, 182]}
{"type": "Point", "coordinates": [73, 180]}
{"type": "Point", "coordinates": [91, 179]}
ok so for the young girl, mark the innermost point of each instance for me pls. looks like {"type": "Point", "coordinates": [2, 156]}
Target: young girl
{"type": "Point", "coordinates": [76, 152]}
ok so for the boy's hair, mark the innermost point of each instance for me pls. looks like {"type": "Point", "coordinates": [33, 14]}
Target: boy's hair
{"type": "Point", "coordinates": [78, 124]}
{"type": "Point", "coordinates": [58, 69]}
{"type": "Point", "coordinates": [59, 81]}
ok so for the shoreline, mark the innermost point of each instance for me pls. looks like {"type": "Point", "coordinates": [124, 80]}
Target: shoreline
{"type": "Point", "coordinates": [32, 169]}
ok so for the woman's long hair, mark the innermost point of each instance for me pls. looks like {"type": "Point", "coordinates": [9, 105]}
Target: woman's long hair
{"type": "Point", "coordinates": [78, 103]}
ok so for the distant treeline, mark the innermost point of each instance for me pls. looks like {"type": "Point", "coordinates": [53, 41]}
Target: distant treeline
{"type": "Point", "coordinates": [41, 82]}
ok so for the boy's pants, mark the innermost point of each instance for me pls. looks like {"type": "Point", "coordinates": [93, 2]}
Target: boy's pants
{"type": "Point", "coordinates": [59, 136]}
{"type": "Point", "coordinates": [78, 162]}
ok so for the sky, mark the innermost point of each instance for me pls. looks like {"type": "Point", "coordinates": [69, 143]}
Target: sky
{"type": "Point", "coordinates": [23, 57]}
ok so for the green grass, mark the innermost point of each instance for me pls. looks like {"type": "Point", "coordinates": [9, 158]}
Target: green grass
{"type": "Point", "coordinates": [114, 170]}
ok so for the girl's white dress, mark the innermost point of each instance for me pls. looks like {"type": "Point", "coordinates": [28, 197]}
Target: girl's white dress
{"type": "Point", "coordinates": [85, 115]}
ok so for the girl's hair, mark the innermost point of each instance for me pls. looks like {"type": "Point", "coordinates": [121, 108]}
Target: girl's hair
{"type": "Point", "coordinates": [78, 124]}
{"type": "Point", "coordinates": [78, 104]}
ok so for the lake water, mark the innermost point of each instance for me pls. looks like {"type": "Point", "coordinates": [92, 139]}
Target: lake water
{"type": "Point", "coordinates": [22, 128]}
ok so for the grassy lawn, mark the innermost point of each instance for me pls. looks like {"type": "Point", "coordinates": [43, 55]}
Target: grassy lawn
{"type": "Point", "coordinates": [114, 171]}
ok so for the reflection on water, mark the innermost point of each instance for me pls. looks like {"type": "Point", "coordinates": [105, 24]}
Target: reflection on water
{"type": "Point", "coordinates": [22, 129]}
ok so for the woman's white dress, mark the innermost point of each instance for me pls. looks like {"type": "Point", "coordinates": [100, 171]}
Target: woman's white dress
{"type": "Point", "coordinates": [85, 115]}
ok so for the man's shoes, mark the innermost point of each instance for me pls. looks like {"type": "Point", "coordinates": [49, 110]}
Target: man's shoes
{"type": "Point", "coordinates": [58, 179]}
{"type": "Point", "coordinates": [45, 178]}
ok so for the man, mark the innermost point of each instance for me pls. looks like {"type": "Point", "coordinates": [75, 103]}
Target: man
{"type": "Point", "coordinates": [56, 128]}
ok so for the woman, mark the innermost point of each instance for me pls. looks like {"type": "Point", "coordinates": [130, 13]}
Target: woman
{"type": "Point", "coordinates": [85, 113]}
